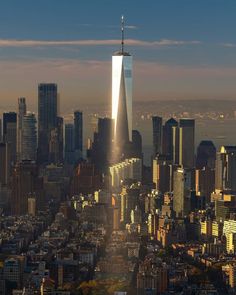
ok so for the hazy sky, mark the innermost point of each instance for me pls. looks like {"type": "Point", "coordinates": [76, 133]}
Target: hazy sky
{"type": "Point", "coordinates": [182, 48]}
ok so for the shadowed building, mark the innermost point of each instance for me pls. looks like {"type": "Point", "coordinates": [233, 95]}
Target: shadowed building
{"type": "Point", "coordinates": [47, 118]}
{"type": "Point", "coordinates": [157, 135]}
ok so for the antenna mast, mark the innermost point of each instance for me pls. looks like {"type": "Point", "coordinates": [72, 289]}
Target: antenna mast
{"type": "Point", "coordinates": [122, 33]}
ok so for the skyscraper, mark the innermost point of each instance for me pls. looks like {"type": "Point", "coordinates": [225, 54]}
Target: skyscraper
{"type": "Point", "coordinates": [9, 133]}
{"type": "Point", "coordinates": [69, 144]}
{"type": "Point", "coordinates": [186, 142]}
{"type": "Point", "coordinates": [20, 115]}
{"type": "Point", "coordinates": [226, 168]}
{"type": "Point", "coordinates": [78, 135]}
{"type": "Point", "coordinates": [122, 96]}
{"type": "Point", "coordinates": [29, 137]}
{"type": "Point", "coordinates": [167, 142]}
{"type": "Point", "coordinates": [182, 192]}
{"type": "Point", "coordinates": [47, 118]}
{"type": "Point", "coordinates": [157, 135]}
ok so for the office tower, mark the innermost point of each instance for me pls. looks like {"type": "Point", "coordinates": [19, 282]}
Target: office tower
{"type": "Point", "coordinates": [21, 113]}
{"type": "Point", "coordinates": [157, 135]}
{"type": "Point", "coordinates": [69, 144]}
{"type": "Point", "coordinates": [226, 168]}
{"type": "Point", "coordinates": [0, 130]}
{"type": "Point", "coordinates": [205, 182]}
{"type": "Point", "coordinates": [122, 98]}
{"type": "Point", "coordinates": [186, 142]}
{"type": "Point", "coordinates": [47, 118]}
{"type": "Point", "coordinates": [29, 137]}
{"type": "Point", "coordinates": [25, 183]}
{"type": "Point", "coordinates": [136, 144]}
{"type": "Point", "coordinates": [167, 141]}
{"type": "Point", "coordinates": [5, 163]}
{"type": "Point", "coordinates": [102, 144]}
{"type": "Point", "coordinates": [182, 192]}
{"type": "Point", "coordinates": [162, 173]}
{"type": "Point", "coordinates": [175, 145]}
{"type": "Point", "coordinates": [206, 155]}
{"type": "Point", "coordinates": [56, 143]}
{"type": "Point", "coordinates": [78, 135]}
{"type": "Point", "coordinates": [9, 133]}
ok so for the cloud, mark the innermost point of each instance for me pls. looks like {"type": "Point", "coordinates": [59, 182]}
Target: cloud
{"type": "Point", "coordinates": [229, 45]}
{"type": "Point", "coordinates": [93, 42]}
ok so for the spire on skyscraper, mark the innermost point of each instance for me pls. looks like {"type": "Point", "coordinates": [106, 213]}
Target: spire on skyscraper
{"type": "Point", "coordinates": [122, 33]}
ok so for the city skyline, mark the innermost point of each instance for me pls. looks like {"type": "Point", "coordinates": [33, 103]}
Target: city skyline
{"type": "Point", "coordinates": [183, 50]}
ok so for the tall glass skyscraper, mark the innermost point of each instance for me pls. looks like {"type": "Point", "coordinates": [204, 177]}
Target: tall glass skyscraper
{"type": "Point", "coordinates": [122, 95]}
{"type": "Point", "coordinates": [29, 137]}
{"type": "Point", "coordinates": [21, 113]}
{"type": "Point", "coordinates": [47, 118]}
{"type": "Point", "coordinates": [78, 135]}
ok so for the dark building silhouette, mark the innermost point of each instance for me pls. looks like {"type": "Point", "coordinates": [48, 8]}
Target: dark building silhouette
{"type": "Point", "coordinates": [47, 118]}
{"type": "Point", "coordinates": [86, 179]}
{"type": "Point", "coordinates": [78, 135]}
{"type": "Point", "coordinates": [167, 145]}
{"type": "Point", "coordinates": [69, 144]}
{"type": "Point", "coordinates": [137, 144]}
{"type": "Point", "coordinates": [206, 155]}
{"type": "Point", "coordinates": [10, 133]}
{"type": "Point", "coordinates": [157, 135]}
{"type": "Point", "coordinates": [25, 183]}
{"type": "Point", "coordinates": [56, 143]}
{"type": "Point", "coordinates": [225, 172]}
{"type": "Point", "coordinates": [4, 163]}
{"type": "Point", "coordinates": [186, 142]}
{"type": "Point", "coordinates": [102, 144]}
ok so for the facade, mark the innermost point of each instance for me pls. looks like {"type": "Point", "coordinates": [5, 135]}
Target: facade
{"type": "Point", "coordinates": [4, 163]}
{"type": "Point", "coordinates": [186, 142]}
{"type": "Point", "coordinates": [182, 192]}
{"type": "Point", "coordinates": [21, 113]}
{"type": "Point", "coordinates": [157, 135]}
{"type": "Point", "coordinates": [29, 137]}
{"type": "Point", "coordinates": [206, 155]}
{"type": "Point", "coordinates": [226, 168]}
{"type": "Point", "coordinates": [122, 97]}
{"type": "Point", "coordinates": [229, 230]}
{"type": "Point", "coordinates": [47, 118]}
{"type": "Point", "coordinates": [162, 175]}
{"type": "Point", "coordinates": [167, 141]}
{"type": "Point", "coordinates": [25, 183]}
{"type": "Point", "coordinates": [102, 144]}
{"type": "Point", "coordinates": [10, 133]}
{"type": "Point", "coordinates": [69, 144]}
{"type": "Point", "coordinates": [128, 169]}
{"type": "Point", "coordinates": [78, 135]}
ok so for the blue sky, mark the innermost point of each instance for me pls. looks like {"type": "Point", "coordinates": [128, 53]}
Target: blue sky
{"type": "Point", "coordinates": [182, 48]}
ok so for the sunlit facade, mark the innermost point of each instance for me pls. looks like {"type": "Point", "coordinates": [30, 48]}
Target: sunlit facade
{"type": "Point", "coordinates": [122, 97]}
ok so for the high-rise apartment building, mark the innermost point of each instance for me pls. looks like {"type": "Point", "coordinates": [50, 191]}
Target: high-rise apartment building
{"type": "Point", "coordinates": [157, 135]}
{"type": "Point", "coordinates": [182, 192]}
{"type": "Point", "coordinates": [122, 98]}
{"type": "Point", "coordinates": [29, 137]}
{"type": "Point", "coordinates": [47, 118]}
{"type": "Point", "coordinates": [20, 114]}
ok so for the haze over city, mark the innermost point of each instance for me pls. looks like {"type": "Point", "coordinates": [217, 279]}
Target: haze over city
{"type": "Point", "coordinates": [183, 49]}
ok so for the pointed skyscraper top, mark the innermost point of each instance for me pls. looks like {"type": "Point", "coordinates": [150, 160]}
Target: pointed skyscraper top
{"type": "Point", "coordinates": [122, 33]}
